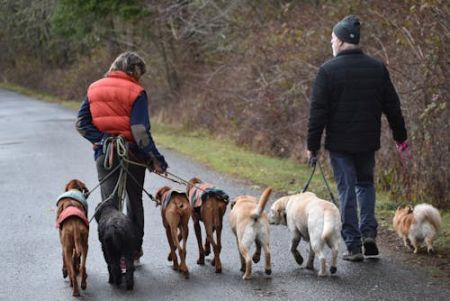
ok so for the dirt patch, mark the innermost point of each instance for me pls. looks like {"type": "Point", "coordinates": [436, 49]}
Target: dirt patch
{"type": "Point", "coordinates": [436, 265]}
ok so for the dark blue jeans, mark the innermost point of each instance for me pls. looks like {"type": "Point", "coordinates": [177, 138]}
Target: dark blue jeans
{"type": "Point", "coordinates": [354, 178]}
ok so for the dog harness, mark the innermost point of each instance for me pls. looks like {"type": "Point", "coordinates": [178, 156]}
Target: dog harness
{"type": "Point", "coordinates": [75, 195]}
{"type": "Point", "coordinates": [198, 195]}
{"type": "Point", "coordinates": [69, 212]}
{"type": "Point", "coordinates": [167, 197]}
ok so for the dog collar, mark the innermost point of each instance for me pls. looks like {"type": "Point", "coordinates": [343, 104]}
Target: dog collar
{"type": "Point", "coordinates": [76, 195]}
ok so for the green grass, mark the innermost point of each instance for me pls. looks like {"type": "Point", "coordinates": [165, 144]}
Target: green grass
{"type": "Point", "coordinates": [224, 156]}
{"type": "Point", "coordinates": [73, 105]}
{"type": "Point", "coordinates": [285, 176]}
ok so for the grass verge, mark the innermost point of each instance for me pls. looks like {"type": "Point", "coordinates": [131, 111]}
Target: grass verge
{"type": "Point", "coordinates": [285, 176]}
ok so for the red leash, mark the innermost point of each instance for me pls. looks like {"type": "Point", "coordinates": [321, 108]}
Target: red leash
{"type": "Point", "coordinates": [406, 161]}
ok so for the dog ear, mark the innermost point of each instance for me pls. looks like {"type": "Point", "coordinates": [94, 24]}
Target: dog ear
{"type": "Point", "coordinates": [68, 185]}
{"type": "Point", "coordinates": [82, 187]}
{"type": "Point", "coordinates": [232, 203]}
{"type": "Point", "coordinates": [410, 209]}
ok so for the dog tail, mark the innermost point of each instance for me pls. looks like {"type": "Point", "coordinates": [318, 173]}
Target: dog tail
{"type": "Point", "coordinates": [328, 225]}
{"type": "Point", "coordinates": [262, 203]}
{"type": "Point", "coordinates": [427, 213]}
{"type": "Point", "coordinates": [77, 237]}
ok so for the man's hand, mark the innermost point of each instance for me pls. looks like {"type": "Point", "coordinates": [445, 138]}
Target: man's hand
{"type": "Point", "coordinates": [312, 158]}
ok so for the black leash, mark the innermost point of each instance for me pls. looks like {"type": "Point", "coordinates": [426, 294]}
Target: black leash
{"type": "Point", "coordinates": [324, 179]}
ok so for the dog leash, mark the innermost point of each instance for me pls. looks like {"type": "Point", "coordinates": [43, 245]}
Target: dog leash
{"type": "Point", "coordinates": [324, 179]}
{"type": "Point", "coordinates": [405, 161]}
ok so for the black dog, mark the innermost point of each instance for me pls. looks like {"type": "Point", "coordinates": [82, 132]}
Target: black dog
{"type": "Point", "coordinates": [117, 236]}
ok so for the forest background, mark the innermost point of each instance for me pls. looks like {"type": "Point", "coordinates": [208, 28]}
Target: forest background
{"type": "Point", "coordinates": [243, 69]}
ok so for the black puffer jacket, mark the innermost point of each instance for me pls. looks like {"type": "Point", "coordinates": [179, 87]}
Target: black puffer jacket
{"type": "Point", "coordinates": [350, 93]}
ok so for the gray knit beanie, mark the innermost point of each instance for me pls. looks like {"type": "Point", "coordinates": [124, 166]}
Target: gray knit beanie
{"type": "Point", "coordinates": [347, 30]}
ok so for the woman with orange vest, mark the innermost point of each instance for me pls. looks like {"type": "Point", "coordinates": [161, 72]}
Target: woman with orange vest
{"type": "Point", "coordinates": [117, 105]}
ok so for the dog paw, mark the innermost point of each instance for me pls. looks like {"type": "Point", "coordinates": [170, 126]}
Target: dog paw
{"type": "Point", "coordinates": [169, 257]}
{"type": "Point", "coordinates": [322, 274]}
{"type": "Point", "coordinates": [247, 277]}
{"type": "Point", "coordinates": [201, 261]}
{"type": "Point", "coordinates": [310, 267]}
{"type": "Point", "coordinates": [64, 272]}
{"type": "Point", "coordinates": [219, 270]}
{"type": "Point", "coordinates": [242, 269]}
{"type": "Point", "coordinates": [256, 258]}
{"type": "Point", "coordinates": [268, 271]}
{"type": "Point", "coordinates": [333, 270]}
{"type": "Point", "coordinates": [430, 251]}
{"type": "Point", "coordinates": [298, 258]}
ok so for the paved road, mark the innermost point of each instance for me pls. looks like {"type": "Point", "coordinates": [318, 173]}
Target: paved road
{"type": "Point", "coordinates": [40, 151]}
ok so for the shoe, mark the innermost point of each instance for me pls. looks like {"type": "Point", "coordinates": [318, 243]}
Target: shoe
{"type": "Point", "coordinates": [137, 256]}
{"type": "Point", "coordinates": [370, 246]}
{"type": "Point", "coordinates": [137, 263]}
{"type": "Point", "coordinates": [353, 255]}
{"type": "Point", "coordinates": [123, 265]}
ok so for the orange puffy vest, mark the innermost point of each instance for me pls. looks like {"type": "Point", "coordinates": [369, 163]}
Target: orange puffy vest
{"type": "Point", "coordinates": [111, 100]}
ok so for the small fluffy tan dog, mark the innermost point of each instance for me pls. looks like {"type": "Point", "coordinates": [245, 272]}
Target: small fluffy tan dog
{"type": "Point", "coordinates": [417, 225]}
{"type": "Point", "coordinates": [175, 213]}
{"type": "Point", "coordinates": [313, 219]}
{"type": "Point", "coordinates": [250, 224]}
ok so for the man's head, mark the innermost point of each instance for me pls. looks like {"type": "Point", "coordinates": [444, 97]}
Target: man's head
{"type": "Point", "coordinates": [345, 34]}
{"type": "Point", "coordinates": [130, 63]}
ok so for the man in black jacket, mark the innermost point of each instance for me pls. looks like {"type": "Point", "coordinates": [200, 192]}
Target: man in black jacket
{"type": "Point", "coordinates": [350, 93]}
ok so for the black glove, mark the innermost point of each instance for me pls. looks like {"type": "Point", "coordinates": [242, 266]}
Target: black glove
{"type": "Point", "coordinates": [157, 164]}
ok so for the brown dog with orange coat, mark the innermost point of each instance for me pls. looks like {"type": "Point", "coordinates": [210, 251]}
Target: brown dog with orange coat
{"type": "Point", "coordinates": [209, 205]}
{"type": "Point", "coordinates": [71, 219]}
{"type": "Point", "coordinates": [175, 212]}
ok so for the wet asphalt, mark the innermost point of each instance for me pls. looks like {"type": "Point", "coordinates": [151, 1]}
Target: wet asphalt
{"type": "Point", "coordinates": [40, 151]}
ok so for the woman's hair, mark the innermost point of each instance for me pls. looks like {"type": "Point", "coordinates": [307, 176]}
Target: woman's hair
{"type": "Point", "coordinates": [130, 63]}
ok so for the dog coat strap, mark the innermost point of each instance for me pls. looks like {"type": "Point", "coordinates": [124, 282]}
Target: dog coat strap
{"type": "Point", "coordinates": [167, 197]}
{"type": "Point", "coordinates": [69, 212]}
{"type": "Point", "coordinates": [75, 195]}
{"type": "Point", "coordinates": [198, 195]}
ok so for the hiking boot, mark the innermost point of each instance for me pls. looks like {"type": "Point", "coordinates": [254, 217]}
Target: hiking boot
{"type": "Point", "coordinates": [370, 246]}
{"type": "Point", "coordinates": [136, 258]}
{"type": "Point", "coordinates": [353, 255]}
{"type": "Point", "coordinates": [123, 265]}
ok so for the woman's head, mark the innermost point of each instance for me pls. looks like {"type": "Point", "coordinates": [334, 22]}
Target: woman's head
{"type": "Point", "coordinates": [130, 63]}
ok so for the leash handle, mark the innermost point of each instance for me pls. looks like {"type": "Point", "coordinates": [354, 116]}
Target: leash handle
{"type": "Point", "coordinates": [324, 179]}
